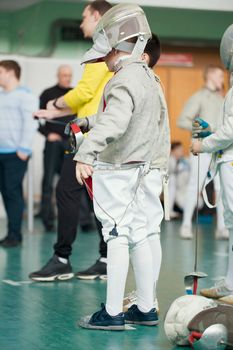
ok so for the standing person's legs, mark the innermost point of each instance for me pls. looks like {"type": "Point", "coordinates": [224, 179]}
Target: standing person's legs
{"type": "Point", "coordinates": [117, 198]}
{"type": "Point", "coordinates": [117, 267]}
{"type": "Point", "coordinates": [172, 195]}
{"type": "Point", "coordinates": [152, 188]}
{"type": "Point", "coordinates": [51, 162]}
{"type": "Point", "coordinates": [13, 171]}
{"type": "Point", "coordinates": [152, 207]}
{"type": "Point", "coordinates": [68, 193]}
{"type": "Point", "coordinates": [99, 269]}
{"type": "Point", "coordinates": [141, 250]}
{"type": "Point", "coordinates": [87, 222]}
{"type": "Point", "coordinates": [191, 194]}
{"type": "Point", "coordinates": [224, 287]}
{"type": "Point", "coordinates": [226, 178]}
{"type": "Point", "coordinates": [111, 197]}
{"type": "Point", "coordinates": [147, 207]}
{"type": "Point", "coordinates": [221, 231]}
{"type": "Point", "coordinates": [68, 196]}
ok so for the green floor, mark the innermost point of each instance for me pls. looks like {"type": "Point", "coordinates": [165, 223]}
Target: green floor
{"type": "Point", "coordinates": [41, 316]}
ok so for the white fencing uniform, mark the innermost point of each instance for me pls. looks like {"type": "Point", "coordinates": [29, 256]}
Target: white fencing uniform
{"type": "Point", "coordinates": [222, 140]}
{"type": "Point", "coordinates": [207, 105]}
{"type": "Point", "coordinates": [125, 194]}
{"type": "Point", "coordinates": [191, 193]}
{"type": "Point", "coordinates": [128, 144]}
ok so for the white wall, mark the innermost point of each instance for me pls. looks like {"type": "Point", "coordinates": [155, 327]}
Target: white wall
{"type": "Point", "coordinates": [39, 74]}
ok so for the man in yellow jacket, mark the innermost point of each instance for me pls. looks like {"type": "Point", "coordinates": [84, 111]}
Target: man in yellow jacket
{"type": "Point", "coordinates": [83, 100]}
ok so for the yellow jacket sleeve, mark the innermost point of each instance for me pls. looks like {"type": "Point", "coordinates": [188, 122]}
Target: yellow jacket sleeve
{"type": "Point", "coordinates": [86, 88]}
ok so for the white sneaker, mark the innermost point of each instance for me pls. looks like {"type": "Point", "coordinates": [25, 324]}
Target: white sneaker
{"type": "Point", "coordinates": [131, 299]}
{"type": "Point", "coordinates": [219, 290]}
{"type": "Point", "coordinates": [227, 300]}
{"type": "Point", "coordinates": [222, 234]}
{"type": "Point", "coordinates": [186, 232]}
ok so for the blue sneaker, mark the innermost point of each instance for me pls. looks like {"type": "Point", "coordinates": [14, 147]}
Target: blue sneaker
{"type": "Point", "coordinates": [102, 320]}
{"type": "Point", "coordinates": [134, 315]}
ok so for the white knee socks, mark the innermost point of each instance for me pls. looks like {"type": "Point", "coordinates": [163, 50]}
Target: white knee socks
{"type": "Point", "coordinates": [155, 246]}
{"type": "Point", "coordinates": [142, 263]}
{"type": "Point", "coordinates": [117, 270]}
{"type": "Point", "coordinates": [146, 260]}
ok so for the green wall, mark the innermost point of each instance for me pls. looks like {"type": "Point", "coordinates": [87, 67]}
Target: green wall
{"type": "Point", "coordinates": [28, 31]}
{"type": "Point", "coordinates": [205, 26]}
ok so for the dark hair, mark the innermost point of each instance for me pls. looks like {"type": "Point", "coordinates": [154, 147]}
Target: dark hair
{"type": "Point", "coordinates": [11, 65]}
{"type": "Point", "coordinates": [175, 144]}
{"type": "Point", "coordinates": [101, 6]}
{"type": "Point", "coordinates": [153, 50]}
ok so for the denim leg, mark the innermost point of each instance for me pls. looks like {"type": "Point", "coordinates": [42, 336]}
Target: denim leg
{"type": "Point", "coordinates": [13, 170]}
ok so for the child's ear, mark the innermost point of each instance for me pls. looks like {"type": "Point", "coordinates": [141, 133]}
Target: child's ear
{"type": "Point", "coordinates": [146, 57]}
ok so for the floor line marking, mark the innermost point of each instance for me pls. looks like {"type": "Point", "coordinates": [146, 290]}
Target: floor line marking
{"type": "Point", "coordinates": [16, 283]}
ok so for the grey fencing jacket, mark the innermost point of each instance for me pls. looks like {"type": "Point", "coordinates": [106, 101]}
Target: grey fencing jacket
{"type": "Point", "coordinates": [205, 104]}
{"type": "Point", "coordinates": [132, 121]}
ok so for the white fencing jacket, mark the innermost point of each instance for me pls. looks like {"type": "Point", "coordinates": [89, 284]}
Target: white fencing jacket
{"type": "Point", "coordinates": [222, 139]}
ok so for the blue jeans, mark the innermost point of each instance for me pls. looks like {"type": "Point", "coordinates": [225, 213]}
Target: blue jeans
{"type": "Point", "coordinates": [12, 170]}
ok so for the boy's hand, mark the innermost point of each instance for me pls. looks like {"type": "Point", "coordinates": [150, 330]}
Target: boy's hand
{"type": "Point", "coordinates": [81, 122]}
{"type": "Point", "coordinates": [83, 171]}
{"type": "Point", "coordinates": [196, 147]}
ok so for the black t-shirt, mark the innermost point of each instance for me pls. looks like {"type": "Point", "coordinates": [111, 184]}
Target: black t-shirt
{"type": "Point", "coordinates": [47, 95]}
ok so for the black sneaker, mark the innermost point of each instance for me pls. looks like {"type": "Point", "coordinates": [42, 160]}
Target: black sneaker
{"type": "Point", "coordinates": [134, 315]}
{"type": "Point", "coordinates": [103, 321]}
{"type": "Point", "coordinates": [98, 270]}
{"type": "Point", "coordinates": [9, 243]}
{"type": "Point", "coordinates": [52, 271]}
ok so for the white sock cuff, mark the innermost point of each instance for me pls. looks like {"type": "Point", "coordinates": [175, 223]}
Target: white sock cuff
{"type": "Point", "coordinates": [63, 260]}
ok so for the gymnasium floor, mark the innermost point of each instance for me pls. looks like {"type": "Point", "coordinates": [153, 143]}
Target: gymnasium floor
{"type": "Point", "coordinates": [41, 316]}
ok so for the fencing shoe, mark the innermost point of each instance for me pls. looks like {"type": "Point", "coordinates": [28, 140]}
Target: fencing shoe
{"type": "Point", "coordinates": [135, 316]}
{"type": "Point", "coordinates": [131, 299]}
{"type": "Point", "coordinates": [219, 290]}
{"type": "Point", "coordinates": [227, 300]}
{"type": "Point", "coordinates": [103, 321]}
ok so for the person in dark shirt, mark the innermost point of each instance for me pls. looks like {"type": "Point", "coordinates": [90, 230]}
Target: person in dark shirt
{"type": "Point", "coordinates": [55, 146]}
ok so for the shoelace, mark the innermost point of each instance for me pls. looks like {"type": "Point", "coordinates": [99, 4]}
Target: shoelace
{"type": "Point", "coordinates": [97, 315]}
{"type": "Point", "coordinates": [220, 283]}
